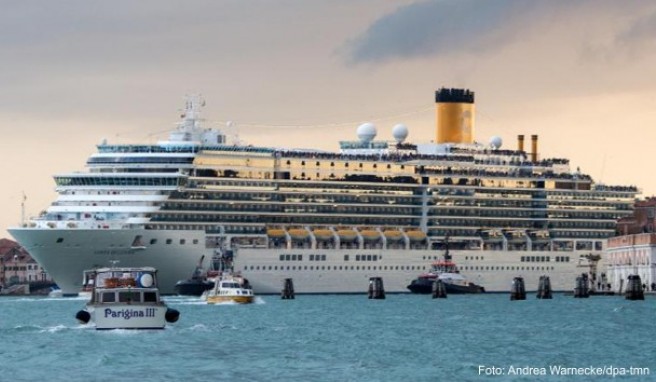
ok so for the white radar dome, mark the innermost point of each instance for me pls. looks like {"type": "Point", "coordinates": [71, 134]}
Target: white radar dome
{"type": "Point", "coordinates": [496, 142]}
{"type": "Point", "coordinates": [400, 132]}
{"type": "Point", "coordinates": [366, 132]}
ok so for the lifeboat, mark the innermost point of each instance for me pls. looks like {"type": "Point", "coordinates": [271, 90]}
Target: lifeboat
{"type": "Point", "coordinates": [298, 233]}
{"type": "Point", "coordinates": [416, 235]}
{"type": "Point", "coordinates": [347, 234]}
{"type": "Point", "coordinates": [276, 232]}
{"type": "Point", "coordinates": [540, 235]}
{"type": "Point", "coordinates": [370, 235]}
{"type": "Point", "coordinates": [493, 235]}
{"type": "Point", "coordinates": [392, 234]}
{"type": "Point", "coordinates": [323, 234]}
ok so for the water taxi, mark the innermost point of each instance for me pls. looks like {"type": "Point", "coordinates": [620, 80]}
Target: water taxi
{"type": "Point", "coordinates": [231, 288]}
{"type": "Point", "coordinates": [126, 298]}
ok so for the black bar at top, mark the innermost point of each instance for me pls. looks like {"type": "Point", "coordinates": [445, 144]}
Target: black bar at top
{"type": "Point", "coordinates": [454, 95]}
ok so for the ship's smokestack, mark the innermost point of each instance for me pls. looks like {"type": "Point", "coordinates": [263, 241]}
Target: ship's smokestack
{"type": "Point", "coordinates": [455, 116]}
{"type": "Point", "coordinates": [520, 143]}
{"type": "Point", "coordinates": [534, 148]}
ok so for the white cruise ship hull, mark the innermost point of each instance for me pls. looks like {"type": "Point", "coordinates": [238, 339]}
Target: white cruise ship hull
{"type": "Point", "coordinates": [80, 250]}
{"type": "Point", "coordinates": [66, 253]}
{"type": "Point", "coordinates": [494, 270]}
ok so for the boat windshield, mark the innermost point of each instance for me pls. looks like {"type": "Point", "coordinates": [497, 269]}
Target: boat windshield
{"type": "Point", "coordinates": [230, 285]}
{"type": "Point", "coordinates": [444, 267]}
{"type": "Point", "coordinates": [123, 279]}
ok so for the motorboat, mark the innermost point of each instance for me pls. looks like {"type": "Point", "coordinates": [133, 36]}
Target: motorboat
{"type": "Point", "coordinates": [197, 284]}
{"type": "Point", "coordinates": [446, 271]}
{"type": "Point", "coordinates": [55, 292]}
{"type": "Point", "coordinates": [230, 288]}
{"type": "Point", "coordinates": [126, 298]}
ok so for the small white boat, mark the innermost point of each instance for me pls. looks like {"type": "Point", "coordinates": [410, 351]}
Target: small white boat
{"type": "Point", "coordinates": [230, 288]}
{"type": "Point", "coordinates": [55, 292]}
{"type": "Point", "coordinates": [126, 298]}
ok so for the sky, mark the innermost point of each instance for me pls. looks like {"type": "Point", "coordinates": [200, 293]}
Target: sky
{"type": "Point", "coordinates": [305, 73]}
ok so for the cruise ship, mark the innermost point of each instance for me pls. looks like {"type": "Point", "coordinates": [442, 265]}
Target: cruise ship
{"type": "Point", "coordinates": [329, 220]}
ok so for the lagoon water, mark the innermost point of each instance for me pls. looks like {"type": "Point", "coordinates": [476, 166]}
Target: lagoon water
{"type": "Point", "coordinates": [337, 338]}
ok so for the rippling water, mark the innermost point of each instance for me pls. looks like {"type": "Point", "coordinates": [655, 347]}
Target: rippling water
{"type": "Point", "coordinates": [334, 338]}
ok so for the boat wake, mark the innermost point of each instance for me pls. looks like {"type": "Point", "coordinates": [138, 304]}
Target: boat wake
{"type": "Point", "coordinates": [198, 328]}
{"type": "Point", "coordinates": [47, 329]}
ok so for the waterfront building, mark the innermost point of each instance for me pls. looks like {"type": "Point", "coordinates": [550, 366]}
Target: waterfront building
{"type": "Point", "coordinates": [631, 255]}
{"type": "Point", "coordinates": [18, 267]}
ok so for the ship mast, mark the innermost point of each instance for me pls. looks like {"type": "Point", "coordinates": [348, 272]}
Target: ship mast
{"type": "Point", "coordinates": [22, 222]}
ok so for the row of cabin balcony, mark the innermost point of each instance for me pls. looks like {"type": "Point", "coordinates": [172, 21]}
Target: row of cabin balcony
{"type": "Point", "coordinates": [207, 200]}
{"type": "Point", "coordinates": [465, 242]}
{"type": "Point", "coordinates": [300, 218]}
{"type": "Point", "coordinates": [218, 190]}
{"type": "Point", "coordinates": [370, 166]}
{"type": "Point", "coordinates": [521, 223]}
{"type": "Point", "coordinates": [146, 149]}
{"type": "Point", "coordinates": [333, 217]}
{"type": "Point", "coordinates": [207, 178]}
{"type": "Point", "coordinates": [446, 203]}
{"type": "Point", "coordinates": [526, 213]}
{"type": "Point", "coordinates": [480, 179]}
{"type": "Point", "coordinates": [516, 174]}
{"type": "Point", "coordinates": [308, 176]}
{"type": "Point", "coordinates": [279, 206]}
{"type": "Point", "coordinates": [474, 230]}
{"type": "Point", "coordinates": [209, 228]}
{"type": "Point", "coordinates": [289, 164]}
{"type": "Point", "coordinates": [456, 157]}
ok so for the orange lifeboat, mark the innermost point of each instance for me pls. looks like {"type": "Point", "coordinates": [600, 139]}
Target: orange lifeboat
{"type": "Point", "coordinates": [416, 235]}
{"type": "Point", "coordinates": [298, 233]}
{"type": "Point", "coordinates": [370, 235]}
{"type": "Point", "coordinates": [323, 234]}
{"type": "Point", "coordinates": [347, 234]}
{"type": "Point", "coordinates": [392, 234]}
{"type": "Point", "coordinates": [276, 233]}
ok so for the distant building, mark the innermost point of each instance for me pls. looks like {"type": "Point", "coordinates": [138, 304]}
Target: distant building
{"type": "Point", "coordinates": [18, 267]}
{"type": "Point", "coordinates": [643, 219]}
{"type": "Point", "coordinates": [631, 255]}
{"type": "Point", "coordinates": [633, 252]}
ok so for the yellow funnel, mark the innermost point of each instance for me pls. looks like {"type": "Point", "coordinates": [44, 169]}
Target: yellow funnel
{"type": "Point", "coordinates": [455, 116]}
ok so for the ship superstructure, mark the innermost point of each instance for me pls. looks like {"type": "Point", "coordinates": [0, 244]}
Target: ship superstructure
{"type": "Point", "coordinates": [331, 220]}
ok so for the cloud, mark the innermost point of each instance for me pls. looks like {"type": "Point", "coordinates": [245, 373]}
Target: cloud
{"type": "Point", "coordinates": [435, 27]}
{"type": "Point", "coordinates": [448, 27]}
{"type": "Point", "coordinates": [638, 35]}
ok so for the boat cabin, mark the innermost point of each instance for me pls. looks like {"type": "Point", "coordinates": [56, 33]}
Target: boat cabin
{"type": "Point", "coordinates": [125, 285]}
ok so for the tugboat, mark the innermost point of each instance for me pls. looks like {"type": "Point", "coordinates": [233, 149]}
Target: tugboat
{"type": "Point", "coordinates": [231, 288]}
{"type": "Point", "coordinates": [447, 271]}
{"type": "Point", "coordinates": [197, 284]}
{"type": "Point", "coordinates": [126, 298]}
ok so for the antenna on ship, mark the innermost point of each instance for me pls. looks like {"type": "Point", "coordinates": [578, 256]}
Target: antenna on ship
{"type": "Point", "coordinates": [23, 209]}
{"type": "Point", "coordinates": [447, 256]}
{"type": "Point", "coordinates": [191, 113]}
{"type": "Point", "coordinates": [232, 130]}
